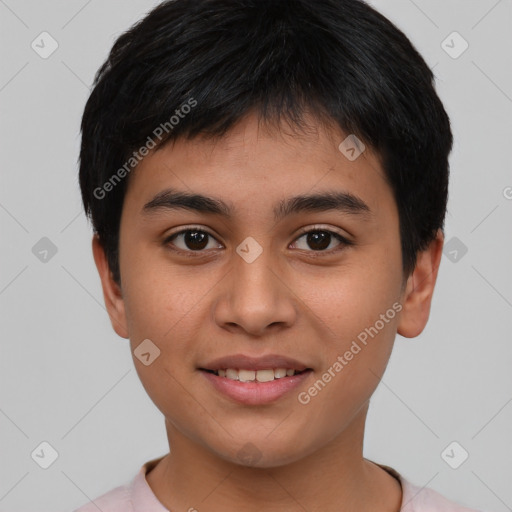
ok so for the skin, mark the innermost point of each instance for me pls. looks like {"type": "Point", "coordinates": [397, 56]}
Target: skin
{"type": "Point", "coordinates": [286, 302]}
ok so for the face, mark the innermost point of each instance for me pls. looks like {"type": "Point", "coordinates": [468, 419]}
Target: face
{"type": "Point", "coordinates": [313, 285]}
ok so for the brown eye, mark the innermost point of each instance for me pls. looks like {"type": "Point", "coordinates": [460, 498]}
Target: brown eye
{"type": "Point", "coordinates": [320, 240]}
{"type": "Point", "coordinates": [194, 240]}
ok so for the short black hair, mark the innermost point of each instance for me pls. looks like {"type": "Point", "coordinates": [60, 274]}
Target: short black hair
{"type": "Point", "coordinates": [339, 60]}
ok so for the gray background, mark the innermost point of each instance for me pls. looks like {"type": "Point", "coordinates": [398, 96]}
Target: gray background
{"type": "Point", "coordinates": [66, 378]}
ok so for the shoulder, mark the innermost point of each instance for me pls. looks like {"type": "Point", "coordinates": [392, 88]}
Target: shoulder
{"type": "Point", "coordinates": [424, 499]}
{"type": "Point", "coordinates": [134, 496]}
{"type": "Point", "coordinates": [115, 500]}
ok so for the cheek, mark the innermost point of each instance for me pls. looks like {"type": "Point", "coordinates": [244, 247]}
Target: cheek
{"type": "Point", "coordinates": [158, 294]}
{"type": "Point", "coordinates": [355, 310]}
{"type": "Point", "coordinates": [355, 352]}
{"type": "Point", "coordinates": [348, 298]}
{"type": "Point", "coordinates": [162, 306]}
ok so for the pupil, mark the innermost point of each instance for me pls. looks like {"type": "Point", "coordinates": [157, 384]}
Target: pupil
{"type": "Point", "coordinates": [318, 240]}
{"type": "Point", "coordinates": [196, 240]}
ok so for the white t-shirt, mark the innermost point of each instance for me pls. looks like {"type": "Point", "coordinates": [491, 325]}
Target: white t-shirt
{"type": "Point", "coordinates": [137, 496]}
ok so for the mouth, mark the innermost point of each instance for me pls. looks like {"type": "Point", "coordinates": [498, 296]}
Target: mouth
{"type": "Point", "coordinates": [264, 375]}
{"type": "Point", "coordinates": [251, 380]}
{"type": "Point", "coordinates": [256, 387]}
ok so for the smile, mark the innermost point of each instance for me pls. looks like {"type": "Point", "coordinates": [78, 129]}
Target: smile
{"type": "Point", "coordinates": [256, 387]}
{"type": "Point", "coordinates": [265, 375]}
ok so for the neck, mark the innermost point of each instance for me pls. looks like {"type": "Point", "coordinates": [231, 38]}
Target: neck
{"type": "Point", "coordinates": [334, 477]}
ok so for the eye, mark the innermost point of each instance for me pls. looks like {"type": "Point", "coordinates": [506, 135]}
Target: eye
{"type": "Point", "coordinates": [191, 240]}
{"type": "Point", "coordinates": [195, 240]}
{"type": "Point", "coordinates": [321, 239]}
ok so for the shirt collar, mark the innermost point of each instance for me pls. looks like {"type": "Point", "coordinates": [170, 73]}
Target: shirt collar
{"type": "Point", "coordinates": [144, 499]}
{"type": "Point", "coordinates": [142, 496]}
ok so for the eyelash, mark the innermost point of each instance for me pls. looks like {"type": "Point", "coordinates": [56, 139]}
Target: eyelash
{"type": "Point", "coordinates": [344, 242]}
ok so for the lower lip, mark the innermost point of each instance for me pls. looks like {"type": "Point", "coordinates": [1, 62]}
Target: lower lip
{"type": "Point", "coordinates": [256, 393]}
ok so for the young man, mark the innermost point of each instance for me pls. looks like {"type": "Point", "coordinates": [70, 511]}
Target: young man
{"type": "Point", "coordinates": [267, 182]}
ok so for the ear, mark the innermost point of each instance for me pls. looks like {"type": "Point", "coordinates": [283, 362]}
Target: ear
{"type": "Point", "coordinates": [419, 289]}
{"type": "Point", "coordinates": [112, 293]}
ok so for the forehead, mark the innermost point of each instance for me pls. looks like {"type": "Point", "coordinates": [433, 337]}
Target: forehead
{"type": "Point", "coordinates": [255, 165]}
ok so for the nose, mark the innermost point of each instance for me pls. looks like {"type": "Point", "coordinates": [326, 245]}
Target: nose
{"type": "Point", "coordinates": [254, 297]}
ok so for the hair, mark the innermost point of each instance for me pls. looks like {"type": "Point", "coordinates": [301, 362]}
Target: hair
{"type": "Point", "coordinates": [338, 59]}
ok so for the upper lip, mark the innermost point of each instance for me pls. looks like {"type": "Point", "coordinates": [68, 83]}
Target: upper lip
{"type": "Point", "coordinates": [245, 362]}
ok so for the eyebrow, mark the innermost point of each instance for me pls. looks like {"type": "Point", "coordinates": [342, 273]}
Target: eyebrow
{"type": "Point", "coordinates": [345, 202]}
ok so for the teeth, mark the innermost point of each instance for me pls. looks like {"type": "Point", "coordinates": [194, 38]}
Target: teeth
{"type": "Point", "coordinates": [246, 375]}
{"type": "Point", "coordinates": [232, 374]}
{"type": "Point", "coordinates": [266, 375]}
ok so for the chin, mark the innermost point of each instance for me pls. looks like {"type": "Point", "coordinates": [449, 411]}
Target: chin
{"type": "Point", "coordinates": [260, 453]}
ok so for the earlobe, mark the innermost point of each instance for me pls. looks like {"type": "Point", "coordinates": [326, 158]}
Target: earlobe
{"type": "Point", "coordinates": [112, 293]}
{"type": "Point", "coordinates": [419, 290]}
